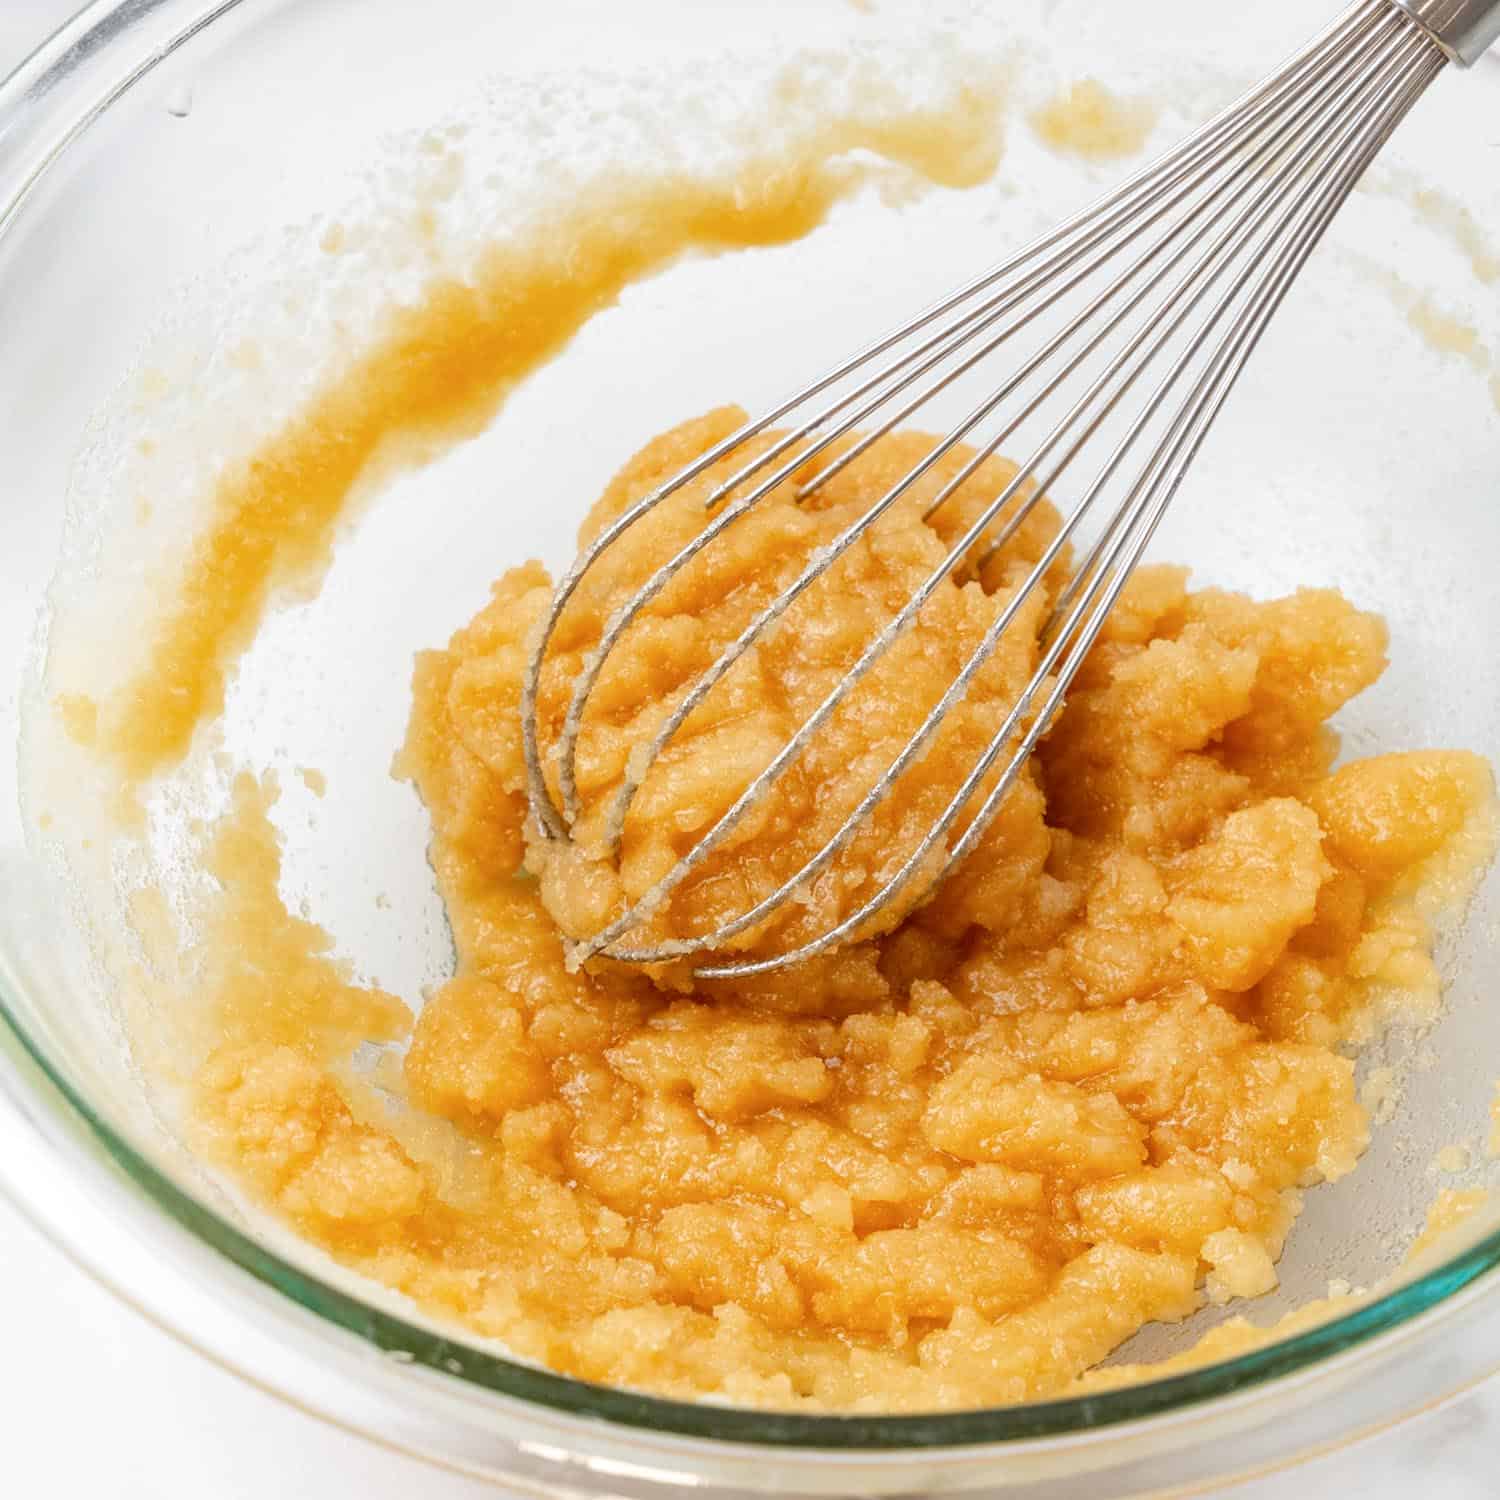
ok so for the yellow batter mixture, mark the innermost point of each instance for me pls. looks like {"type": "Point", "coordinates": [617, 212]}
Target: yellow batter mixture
{"type": "Point", "coordinates": [956, 1165]}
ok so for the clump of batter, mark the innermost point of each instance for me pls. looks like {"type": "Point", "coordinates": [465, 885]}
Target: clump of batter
{"type": "Point", "coordinates": [775, 688]}
{"type": "Point", "coordinates": [955, 1165]}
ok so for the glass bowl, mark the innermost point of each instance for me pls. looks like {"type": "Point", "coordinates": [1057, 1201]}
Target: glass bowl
{"type": "Point", "coordinates": [171, 171]}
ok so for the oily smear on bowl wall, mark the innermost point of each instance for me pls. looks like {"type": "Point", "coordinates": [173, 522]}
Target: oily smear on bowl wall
{"type": "Point", "coordinates": [441, 368]}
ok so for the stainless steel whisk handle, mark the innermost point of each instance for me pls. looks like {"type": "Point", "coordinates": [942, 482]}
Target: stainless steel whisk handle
{"type": "Point", "coordinates": [1464, 29]}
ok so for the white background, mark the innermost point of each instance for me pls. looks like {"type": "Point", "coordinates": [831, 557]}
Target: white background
{"type": "Point", "coordinates": [96, 1402]}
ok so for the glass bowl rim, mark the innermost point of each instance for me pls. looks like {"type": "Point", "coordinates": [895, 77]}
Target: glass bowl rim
{"type": "Point", "coordinates": [96, 30]}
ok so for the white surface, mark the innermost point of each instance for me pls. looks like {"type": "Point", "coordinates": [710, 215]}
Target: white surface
{"type": "Point", "coordinates": [96, 1402]}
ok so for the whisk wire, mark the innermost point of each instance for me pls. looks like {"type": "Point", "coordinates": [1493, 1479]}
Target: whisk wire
{"type": "Point", "coordinates": [1245, 199]}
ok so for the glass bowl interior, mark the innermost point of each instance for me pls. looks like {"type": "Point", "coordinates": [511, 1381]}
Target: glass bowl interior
{"type": "Point", "coordinates": [184, 209]}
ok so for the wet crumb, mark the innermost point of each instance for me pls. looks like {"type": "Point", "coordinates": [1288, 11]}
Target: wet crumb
{"type": "Point", "coordinates": [1087, 120]}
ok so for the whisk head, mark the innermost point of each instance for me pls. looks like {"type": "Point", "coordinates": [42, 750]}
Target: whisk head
{"type": "Point", "coordinates": [1123, 332]}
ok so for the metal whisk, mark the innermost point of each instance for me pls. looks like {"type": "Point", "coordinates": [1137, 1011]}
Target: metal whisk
{"type": "Point", "coordinates": [1177, 273]}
